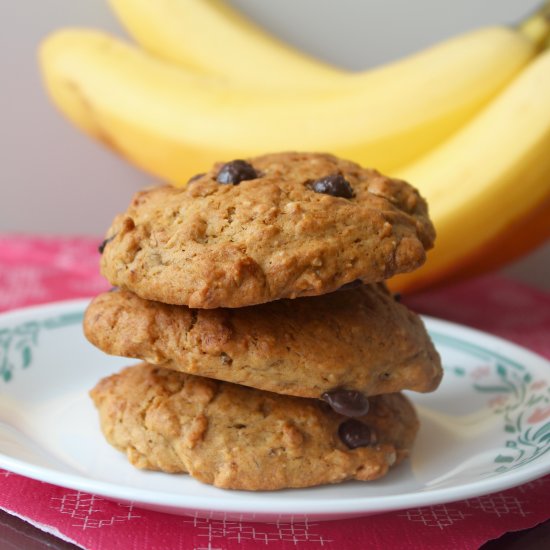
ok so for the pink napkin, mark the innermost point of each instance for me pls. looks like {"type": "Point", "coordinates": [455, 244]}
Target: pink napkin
{"type": "Point", "coordinates": [37, 270]}
{"type": "Point", "coordinates": [93, 522]}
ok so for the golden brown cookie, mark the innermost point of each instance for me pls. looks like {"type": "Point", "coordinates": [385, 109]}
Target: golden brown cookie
{"type": "Point", "coordinates": [277, 226]}
{"type": "Point", "coordinates": [359, 339]}
{"type": "Point", "coordinates": [236, 437]}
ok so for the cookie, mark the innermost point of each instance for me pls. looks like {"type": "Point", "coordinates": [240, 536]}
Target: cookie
{"type": "Point", "coordinates": [359, 339]}
{"type": "Point", "coordinates": [277, 226]}
{"type": "Point", "coordinates": [236, 437]}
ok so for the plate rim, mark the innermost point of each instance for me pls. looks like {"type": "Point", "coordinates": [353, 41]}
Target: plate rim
{"type": "Point", "coordinates": [277, 502]}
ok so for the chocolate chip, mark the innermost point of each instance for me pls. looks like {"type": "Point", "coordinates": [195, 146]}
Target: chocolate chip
{"type": "Point", "coordinates": [397, 297]}
{"type": "Point", "coordinates": [353, 284]}
{"type": "Point", "coordinates": [356, 434]}
{"type": "Point", "coordinates": [335, 185]}
{"type": "Point", "coordinates": [236, 171]}
{"type": "Point", "coordinates": [347, 402]}
{"type": "Point", "coordinates": [195, 177]}
{"type": "Point", "coordinates": [101, 247]}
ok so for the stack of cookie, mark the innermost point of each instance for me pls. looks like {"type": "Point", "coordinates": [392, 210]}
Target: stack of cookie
{"type": "Point", "coordinates": [274, 354]}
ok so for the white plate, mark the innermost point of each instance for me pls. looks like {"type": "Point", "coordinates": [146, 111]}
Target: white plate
{"type": "Point", "coordinates": [487, 428]}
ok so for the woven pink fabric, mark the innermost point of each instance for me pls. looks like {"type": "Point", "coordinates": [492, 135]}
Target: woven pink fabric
{"type": "Point", "coordinates": [39, 270]}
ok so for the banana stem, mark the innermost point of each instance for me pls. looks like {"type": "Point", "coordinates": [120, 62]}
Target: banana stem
{"type": "Point", "coordinates": [536, 27]}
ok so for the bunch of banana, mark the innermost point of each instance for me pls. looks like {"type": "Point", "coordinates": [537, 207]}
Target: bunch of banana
{"type": "Point", "coordinates": [466, 121]}
{"type": "Point", "coordinates": [186, 121]}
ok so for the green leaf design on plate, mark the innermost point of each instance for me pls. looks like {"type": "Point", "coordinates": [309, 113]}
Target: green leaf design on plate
{"type": "Point", "coordinates": [543, 432]}
{"type": "Point", "coordinates": [522, 403]}
{"type": "Point", "coordinates": [492, 389]}
{"type": "Point", "coordinates": [501, 371]}
{"type": "Point", "coordinates": [26, 354]}
{"type": "Point", "coordinates": [17, 343]}
{"type": "Point", "coordinates": [502, 458]}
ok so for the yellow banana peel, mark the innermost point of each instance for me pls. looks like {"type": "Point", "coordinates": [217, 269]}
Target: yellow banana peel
{"type": "Point", "coordinates": [210, 37]}
{"type": "Point", "coordinates": [488, 179]}
{"type": "Point", "coordinates": [173, 123]}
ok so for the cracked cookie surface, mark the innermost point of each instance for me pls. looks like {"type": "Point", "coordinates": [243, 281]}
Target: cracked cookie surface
{"type": "Point", "coordinates": [359, 339]}
{"type": "Point", "coordinates": [236, 437]}
{"type": "Point", "coordinates": [279, 235]}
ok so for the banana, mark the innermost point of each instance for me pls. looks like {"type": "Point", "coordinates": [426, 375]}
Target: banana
{"type": "Point", "coordinates": [196, 33]}
{"type": "Point", "coordinates": [512, 242]}
{"type": "Point", "coordinates": [488, 180]}
{"type": "Point", "coordinates": [210, 37]}
{"type": "Point", "coordinates": [173, 123]}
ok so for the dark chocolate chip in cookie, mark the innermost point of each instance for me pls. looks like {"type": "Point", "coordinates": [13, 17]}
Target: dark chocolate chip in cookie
{"type": "Point", "coordinates": [356, 434]}
{"type": "Point", "coordinates": [335, 185]}
{"type": "Point", "coordinates": [347, 402]}
{"type": "Point", "coordinates": [351, 285]}
{"type": "Point", "coordinates": [102, 246]}
{"type": "Point", "coordinates": [236, 171]}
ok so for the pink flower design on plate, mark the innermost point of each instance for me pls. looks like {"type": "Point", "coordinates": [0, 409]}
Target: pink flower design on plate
{"type": "Point", "coordinates": [498, 401]}
{"type": "Point", "coordinates": [481, 372]}
{"type": "Point", "coordinates": [539, 415]}
{"type": "Point", "coordinates": [538, 384]}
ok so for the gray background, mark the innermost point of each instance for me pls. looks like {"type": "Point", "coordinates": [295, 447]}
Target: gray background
{"type": "Point", "coordinates": [56, 181]}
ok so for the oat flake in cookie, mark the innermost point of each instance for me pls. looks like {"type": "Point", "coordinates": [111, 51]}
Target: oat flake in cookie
{"type": "Point", "coordinates": [340, 347]}
{"type": "Point", "coordinates": [278, 226]}
{"type": "Point", "coordinates": [241, 438]}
